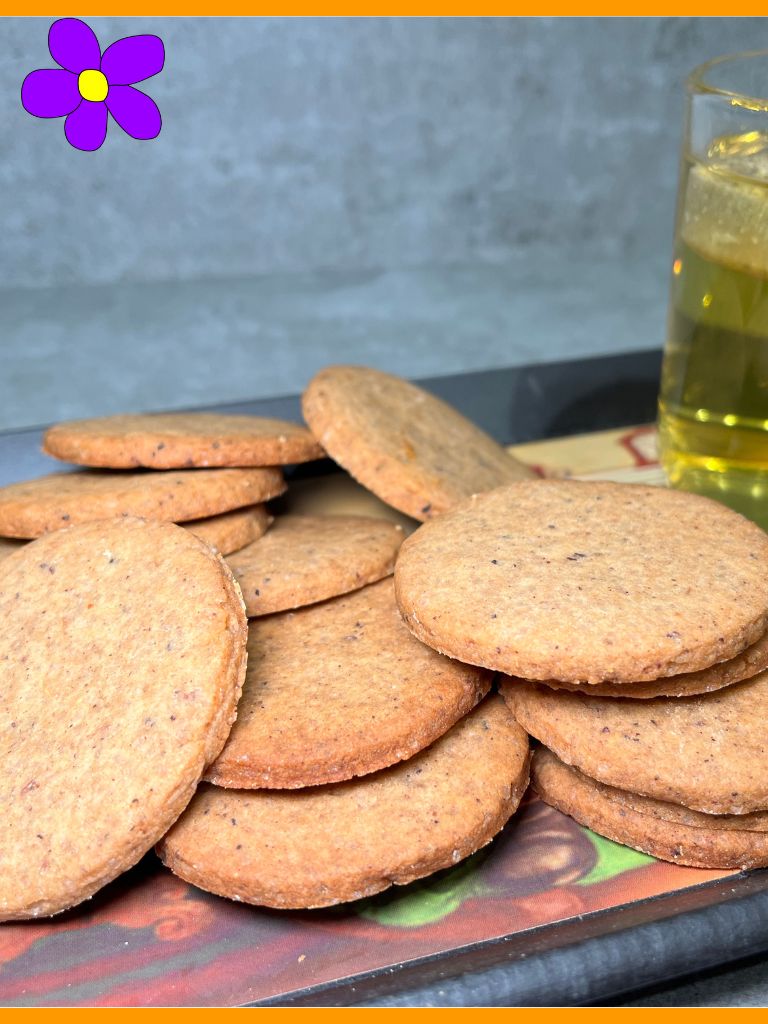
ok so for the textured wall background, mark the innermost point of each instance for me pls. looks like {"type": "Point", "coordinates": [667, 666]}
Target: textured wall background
{"type": "Point", "coordinates": [423, 195]}
{"type": "Point", "coordinates": [296, 144]}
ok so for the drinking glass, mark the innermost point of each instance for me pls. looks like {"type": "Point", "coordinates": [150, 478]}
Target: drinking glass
{"type": "Point", "coordinates": [713, 404]}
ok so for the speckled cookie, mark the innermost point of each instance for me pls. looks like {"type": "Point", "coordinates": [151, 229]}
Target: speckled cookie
{"type": "Point", "coordinates": [325, 845]}
{"type": "Point", "coordinates": [231, 531]}
{"type": "Point", "coordinates": [304, 559]}
{"type": "Point", "coordinates": [411, 449]}
{"type": "Point", "coordinates": [745, 665]}
{"type": "Point", "coordinates": [656, 828]}
{"type": "Point", "coordinates": [708, 753]}
{"type": "Point", "coordinates": [593, 582]}
{"type": "Point", "coordinates": [51, 502]}
{"type": "Point", "coordinates": [180, 440]}
{"type": "Point", "coordinates": [119, 687]}
{"type": "Point", "coordinates": [340, 689]}
{"type": "Point", "coordinates": [9, 547]}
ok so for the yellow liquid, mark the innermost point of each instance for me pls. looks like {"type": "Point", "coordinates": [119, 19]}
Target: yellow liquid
{"type": "Point", "coordinates": [713, 406]}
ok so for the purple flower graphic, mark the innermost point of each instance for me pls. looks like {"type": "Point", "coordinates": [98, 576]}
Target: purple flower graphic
{"type": "Point", "coordinates": [93, 83]}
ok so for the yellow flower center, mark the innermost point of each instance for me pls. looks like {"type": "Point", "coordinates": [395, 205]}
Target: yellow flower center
{"type": "Point", "coordinates": [93, 86]}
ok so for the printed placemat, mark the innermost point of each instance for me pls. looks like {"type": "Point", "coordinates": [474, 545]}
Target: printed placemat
{"type": "Point", "coordinates": [149, 939]}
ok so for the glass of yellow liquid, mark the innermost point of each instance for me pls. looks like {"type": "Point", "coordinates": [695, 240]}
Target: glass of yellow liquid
{"type": "Point", "coordinates": [713, 404]}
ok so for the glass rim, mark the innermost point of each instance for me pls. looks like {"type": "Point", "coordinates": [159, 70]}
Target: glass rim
{"type": "Point", "coordinates": [697, 81]}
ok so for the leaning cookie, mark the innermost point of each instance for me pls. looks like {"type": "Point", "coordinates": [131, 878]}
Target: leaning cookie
{"type": "Point", "coordinates": [325, 845]}
{"type": "Point", "coordinates": [340, 689]}
{"type": "Point", "coordinates": [411, 449]}
{"type": "Point", "coordinates": [698, 840]}
{"type": "Point", "coordinates": [179, 441]}
{"type": "Point", "coordinates": [123, 652]}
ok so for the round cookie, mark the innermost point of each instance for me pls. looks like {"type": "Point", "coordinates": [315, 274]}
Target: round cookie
{"type": "Point", "coordinates": [708, 752]}
{"type": "Point", "coordinates": [586, 582]}
{"type": "Point", "coordinates": [340, 689]}
{"type": "Point", "coordinates": [411, 449]}
{"type": "Point", "coordinates": [178, 440]}
{"type": "Point", "coordinates": [230, 531]}
{"type": "Point", "coordinates": [123, 653]}
{"type": "Point", "coordinates": [745, 665]}
{"type": "Point", "coordinates": [34, 507]}
{"type": "Point", "coordinates": [304, 559]}
{"type": "Point", "coordinates": [698, 840]}
{"type": "Point", "coordinates": [325, 845]}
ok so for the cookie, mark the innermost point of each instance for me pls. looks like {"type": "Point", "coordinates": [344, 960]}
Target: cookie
{"type": "Point", "coordinates": [178, 440]}
{"type": "Point", "coordinates": [34, 507]}
{"type": "Point", "coordinates": [303, 559]}
{"type": "Point", "coordinates": [230, 531]}
{"type": "Point", "coordinates": [8, 547]}
{"type": "Point", "coordinates": [587, 582]}
{"type": "Point", "coordinates": [340, 689]}
{"type": "Point", "coordinates": [698, 840]}
{"type": "Point", "coordinates": [325, 845]}
{"type": "Point", "coordinates": [119, 687]}
{"type": "Point", "coordinates": [411, 449]}
{"type": "Point", "coordinates": [745, 665]}
{"type": "Point", "coordinates": [708, 752]}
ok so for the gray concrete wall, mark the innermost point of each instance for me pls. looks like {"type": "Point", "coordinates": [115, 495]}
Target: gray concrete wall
{"type": "Point", "coordinates": [426, 196]}
{"type": "Point", "coordinates": [298, 144]}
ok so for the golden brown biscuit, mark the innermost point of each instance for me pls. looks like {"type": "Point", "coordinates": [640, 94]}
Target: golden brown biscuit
{"type": "Point", "coordinates": [340, 689]}
{"type": "Point", "coordinates": [699, 840]}
{"type": "Point", "coordinates": [586, 582]}
{"type": "Point", "coordinates": [304, 559]}
{"type": "Point", "coordinates": [324, 845]}
{"type": "Point", "coordinates": [123, 653]}
{"type": "Point", "coordinates": [745, 665]}
{"type": "Point", "coordinates": [230, 531]}
{"type": "Point", "coordinates": [178, 440]}
{"type": "Point", "coordinates": [708, 752]}
{"type": "Point", "coordinates": [411, 449]}
{"type": "Point", "coordinates": [34, 507]}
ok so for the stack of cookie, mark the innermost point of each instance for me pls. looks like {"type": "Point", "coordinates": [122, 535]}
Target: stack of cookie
{"type": "Point", "coordinates": [360, 757]}
{"type": "Point", "coordinates": [630, 626]}
{"type": "Point", "coordinates": [210, 472]}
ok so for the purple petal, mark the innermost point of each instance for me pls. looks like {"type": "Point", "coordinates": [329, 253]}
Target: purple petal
{"type": "Point", "coordinates": [134, 111]}
{"type": "Point", "coordinates": [50, 92]}
{"type": "Point", "coordinates": [133, 59]}
{"type": "Point", "coordinates": [74, 45]}
{"type": "Point", "coordinates": [86, 127]}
